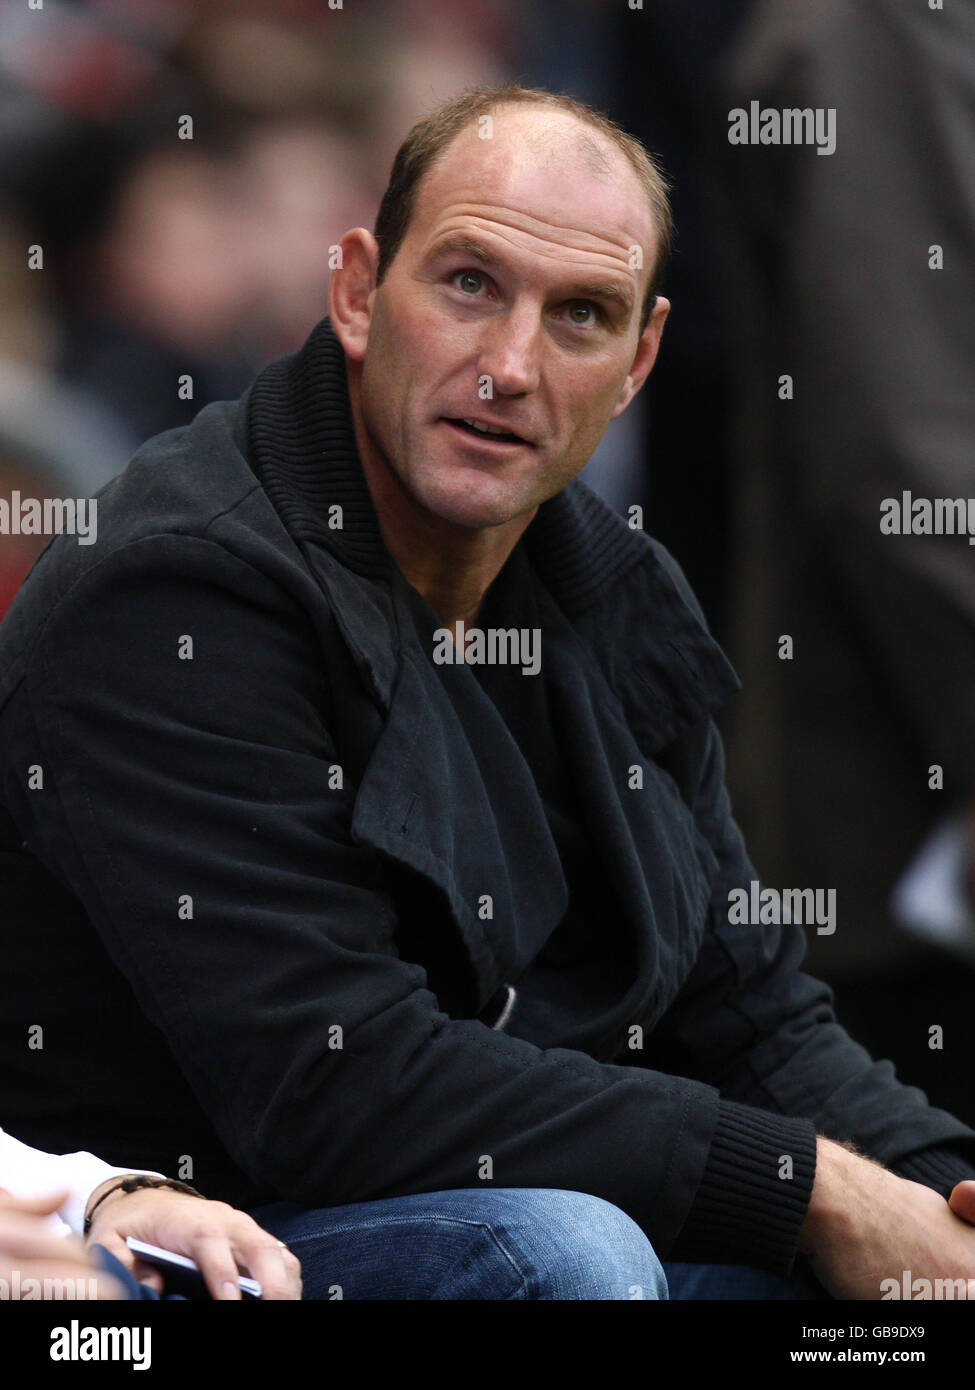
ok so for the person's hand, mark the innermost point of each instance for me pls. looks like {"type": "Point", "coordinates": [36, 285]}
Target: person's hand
{"type": "Point", "coordinates": [221, 1239]}
{"type": "Point", "coordinates": [962, 1200]}
{"type": "Point", "coordinates": [866, 1224]}
{"type": "Point", "coordinates": [30, 1250]}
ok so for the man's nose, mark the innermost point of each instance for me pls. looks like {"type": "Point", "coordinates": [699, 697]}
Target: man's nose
{"type": "Point", "coordinates": [510, 352]}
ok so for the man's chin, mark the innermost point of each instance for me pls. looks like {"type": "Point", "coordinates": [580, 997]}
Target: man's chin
{"type": "Point", "coordinates": [475, 510]}
{"type": "Point", "coordinates": [483, 518]}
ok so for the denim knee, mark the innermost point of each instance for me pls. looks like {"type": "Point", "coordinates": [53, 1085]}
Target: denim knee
{"type": "Point", "coordinates": [576, 1246]}
{"type": "Point", "coordinates": [493, 1243]}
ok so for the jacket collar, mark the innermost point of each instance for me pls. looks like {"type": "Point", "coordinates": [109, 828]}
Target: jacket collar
{"type": "Point", "coordinates": [300, 441]}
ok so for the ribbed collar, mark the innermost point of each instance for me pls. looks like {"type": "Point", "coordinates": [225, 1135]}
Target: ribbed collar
{"type": "Point", "coordinates": [301, 444]}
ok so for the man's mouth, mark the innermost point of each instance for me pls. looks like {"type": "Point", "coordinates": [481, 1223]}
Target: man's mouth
{"type": "Point", "coordinates": [485, 432]}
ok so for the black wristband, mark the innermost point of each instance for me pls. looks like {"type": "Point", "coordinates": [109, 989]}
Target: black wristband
{"type": "Point", "coordinates": [137, 1180]}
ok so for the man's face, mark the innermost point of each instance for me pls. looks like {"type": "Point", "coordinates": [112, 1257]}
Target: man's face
{"type": "Point", "coordinates": [514, 301]}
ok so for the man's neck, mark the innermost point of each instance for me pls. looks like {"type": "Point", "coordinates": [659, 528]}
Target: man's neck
{"type": "Point", "coordinates": [451, 566]}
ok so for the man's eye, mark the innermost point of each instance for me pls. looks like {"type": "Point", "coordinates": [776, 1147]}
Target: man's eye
{"type": "Point", "coordinates": [468, 280]}
{"type": "Point", "coordinates": [583, 312]}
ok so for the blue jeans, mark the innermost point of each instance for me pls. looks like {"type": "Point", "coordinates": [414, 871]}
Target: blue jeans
{"type": "Point", "coordinates": [499, 1243]}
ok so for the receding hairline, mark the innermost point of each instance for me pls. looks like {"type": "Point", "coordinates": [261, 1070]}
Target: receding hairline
{"type": "Point", "coordinates": [543, 140]}
{"type": "Point", "coordinates": [598, 154]}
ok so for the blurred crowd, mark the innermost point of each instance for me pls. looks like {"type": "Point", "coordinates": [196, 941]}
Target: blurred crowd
{"type": "Point", "coordinates": [175, 171]}
{"type": "Point", "coordinates": [182, 169]}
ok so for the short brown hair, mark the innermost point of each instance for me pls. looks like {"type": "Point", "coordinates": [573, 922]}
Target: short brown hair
{"type": "Point", "coordinates": [429, 139]}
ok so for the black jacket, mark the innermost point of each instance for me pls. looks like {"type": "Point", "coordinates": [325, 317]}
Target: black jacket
{"type": "Point", "coordinates": [246, 830]}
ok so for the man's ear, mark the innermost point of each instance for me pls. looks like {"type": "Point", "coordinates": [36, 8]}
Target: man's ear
{"type": "Point", "coordinates": [646, 355]}
{"type": "Point", "coordinates": [352, 289]}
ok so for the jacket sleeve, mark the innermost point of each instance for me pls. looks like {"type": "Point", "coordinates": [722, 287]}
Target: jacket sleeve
{"type": "Point", "coordinates": [750, 1022]}
{"type": "Point", "coordinates": [179, 704]}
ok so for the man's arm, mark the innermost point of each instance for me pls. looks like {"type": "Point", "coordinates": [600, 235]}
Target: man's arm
{"type": "Point", "coordinates": [867, 1226]}
{"type": "Point", "coordinates": [750, 1022]}
{"type": "Point", "coordinates": [28, 1172]}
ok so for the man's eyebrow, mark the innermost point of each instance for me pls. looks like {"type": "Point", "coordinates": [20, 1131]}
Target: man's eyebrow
{"type": "Point", "coordinates": [462, 244]}
{"type": "Point", "coordinates": [465, 245]}
{"type": "Point", "coordinates": [608, 289]}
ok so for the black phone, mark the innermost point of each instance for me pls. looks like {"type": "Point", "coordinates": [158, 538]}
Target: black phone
{"type": "Point", "coordinates": [181, 1274]}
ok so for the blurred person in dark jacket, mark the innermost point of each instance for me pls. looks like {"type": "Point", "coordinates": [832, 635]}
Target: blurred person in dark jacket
{"type": "Point", "coordinates": [854, 278]}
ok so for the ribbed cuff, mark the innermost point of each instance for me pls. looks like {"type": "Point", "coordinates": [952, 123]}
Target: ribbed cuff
{"type": "Point", "coordinates": [751, 1201]}
{"type": "Point", "coordinates": [938, 1168]}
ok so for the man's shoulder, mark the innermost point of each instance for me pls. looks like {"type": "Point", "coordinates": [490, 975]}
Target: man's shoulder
{"type": "Point", "coordinates": [187, 489]}
{"type": "Point", "coordinates": [180, 482]}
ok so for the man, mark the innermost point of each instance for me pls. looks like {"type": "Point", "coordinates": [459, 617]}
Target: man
{"type": "Point", "coordinates": [346, 922]}
{"type": "Point", "coordinates": [49, 1201]}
